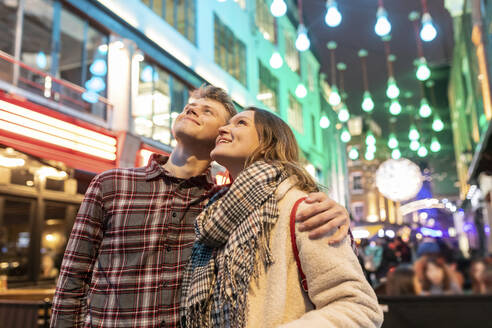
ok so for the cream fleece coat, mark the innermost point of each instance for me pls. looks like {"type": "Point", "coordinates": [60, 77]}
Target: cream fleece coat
{"type": "Point", "coordinates": [339, 295]}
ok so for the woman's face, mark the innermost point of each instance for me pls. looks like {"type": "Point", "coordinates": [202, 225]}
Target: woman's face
{"type": "Point", "coordinates": [478, 270]}
{"type": "Point", "coordinates": [435, 274]}
{"type": "Point", "coordinates": [236, 141]}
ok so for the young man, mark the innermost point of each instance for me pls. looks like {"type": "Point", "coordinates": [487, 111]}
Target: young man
{"type": "Point", "coordinates": [133, 234]}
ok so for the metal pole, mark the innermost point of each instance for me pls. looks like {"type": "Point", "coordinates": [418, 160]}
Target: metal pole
{"type": "Point", "coordinates": [18, 41]}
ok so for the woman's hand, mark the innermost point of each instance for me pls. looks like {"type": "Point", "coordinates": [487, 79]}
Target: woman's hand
{"type": "Point", "coordinates": [322, 216]}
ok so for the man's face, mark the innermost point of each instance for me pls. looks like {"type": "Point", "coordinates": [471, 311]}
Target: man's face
{"type": "Point", "coordinates": [200, 121]}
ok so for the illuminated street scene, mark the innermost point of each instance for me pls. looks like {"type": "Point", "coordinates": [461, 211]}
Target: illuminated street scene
{"type": "Point", "coordinates": [389, 101]}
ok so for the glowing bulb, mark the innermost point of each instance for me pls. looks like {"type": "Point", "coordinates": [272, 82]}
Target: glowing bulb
{"type": "Point", "coordinates": [423, 72]}
{"type": "Point", "coordinates": [41, 60]}
{"type": "Point", "coordinates": [302, 41]}
{"type": "Point", "coordinates": [353, 154]}
{"type": "Point", "coordinates": [278, 8]}
{"type": "Point", "coordinates": [370, 140]}
{"type": "Point", "coordinates": [383, 25]}
{"type": "Point", "coordinates": [371, 148]}
{"type": "Point", "coordinates": [99, 67]}
{"type": "Point", "coordinates": [276, 60]}
{"type": "Point", "coordinates": [334, 99]}
{"type": "Point", "coordinates": [395, 107]}
{"type": "Point", "coordinates": [392, 92]}
{"type": "Point", "coordinates": [414, 145]}
{"type": "Point", "coordinates": [343, 114]}
{"type": "Point", "coordinates": [392, 141]}
{"type": "Point", "coordinates": [301, 91]}
{"type": "Point", "coordinates": [396, 154]}
{"type": "Point", "coordinates": [437, 124]}
{"type": "Point", "coordinates": [422, 152]}
{"type": "Point", "coordinates": [428, 31]}
{"type": "Point", "coordinates": [369, 156]}
{"type": "Point", "coordinates": [435, 145]}
{"type": "Point", "coordinates": [333, 17]}
{"type": "Point", "coordinates": [367, 103]}
{"type": "Point", "coordinates": [345, 136]}
{"type": "Point", "coordinates": [413, 134]}
{"type": "Point", "coordinates": [324, 122]}
{"type": "Point", "coordinates": [425, 110]}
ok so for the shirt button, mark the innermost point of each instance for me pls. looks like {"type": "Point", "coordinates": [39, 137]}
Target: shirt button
{"type": "Point", "coordinates": [168, 248]}
{"type": "Point", "coordinates": [174, 214]}
{"type": "Point", "coordinates": [163, 284]}
{"type": "Point", "coordinates": [163, 324]}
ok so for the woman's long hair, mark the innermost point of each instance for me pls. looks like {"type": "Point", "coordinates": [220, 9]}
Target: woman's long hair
{"type": "Point", "coordinates": [278, 144]}
{"type": "Point", "coordinates": [446, 280]}
{"type": "Point", "coordinates": [401, 281]}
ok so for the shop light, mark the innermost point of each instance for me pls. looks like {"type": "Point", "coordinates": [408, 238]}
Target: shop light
{"type": "Point", "coordinates": [345, 136]}
{"type": "Point", "coordinates": [324, 122]}
{"type": "Point", "coordinates": [264, 96]}
{"type": "Point", "coordinates": [383, 25]}
{"type": "Point", "coordinates": [435, 145]}
{"type": "Point", "coordinates": [414, 145]}
{"type": "Point", "coordinates": [392, 141]}
{"type": "Point", "coordinates": [360, 233]}
{"type": "Point", "coordinates": [392, 92]}
{"type": "Point", "coordinates": [302, 41]}
{"type": "Point", "coordinates": [41, 60]}
{"type": "Point", "coordinates": [333, 17]}
{"type": "Point", "coordinates": [423, 72]}
{"type": "Point", "coordinates": [367, 102]}
{"type": "Point", "coordinates": [301, 91]}
{"type": "Point", "coordinates": [396, 154]}
{"type": "Point", "coordinates": [51, 172]}
{"type": "Point", "coordinates": [413, 134]}
{"type": "Point", "coordinates": [425, 110]}
{"type": "Point", "coordinates": [19, 120]}
{"type": "Point", "coordinates": [278, 8]}
{"type": "Point", "coordinates": [353, 154]}
{"type": "Point", "coordinates": [334, 98]}
{"type": "Point", "coordinates": [343, 114]}
{"type": "Point", "coordinates": [428, 31]}
{"type": "Point", "coordinates": [437, 124]}
{"type": "Point", "coordinates": [422, 152]}
{"type": "Point", "coordinates": [276, 60]}
{"type": "Point", "coordinates": [395, 107]}
{"type": "Point", "coordinates": [11, 161]}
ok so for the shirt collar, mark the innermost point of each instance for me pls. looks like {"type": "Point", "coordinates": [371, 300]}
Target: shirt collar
{"type": "Point", "coordinates": [155, 169]}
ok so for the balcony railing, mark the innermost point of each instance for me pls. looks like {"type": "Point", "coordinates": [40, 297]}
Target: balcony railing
{"type": "Point", "coordinates": [65, 93]}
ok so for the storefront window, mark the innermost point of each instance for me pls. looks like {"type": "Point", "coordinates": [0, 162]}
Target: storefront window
{"type": "Point", "coordinates": [294, 114]}
{"type": "Point", "coordinates": [15, 236]}
{"type": "Point", "coordinates": [268, 88]}
{"type": "Point", "coordinates": [291, 53]}
{"type": "Point", "coordinates": [58, 221]}
{"type": "Point", "coordinates": [265, 21]}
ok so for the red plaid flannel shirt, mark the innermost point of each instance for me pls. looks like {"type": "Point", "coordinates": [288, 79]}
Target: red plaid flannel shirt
{"type": "Point", "coordinates": [128, 249]}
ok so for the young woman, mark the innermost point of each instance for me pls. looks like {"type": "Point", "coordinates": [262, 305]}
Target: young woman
{"type": "Point", "coordinates": [243, 271]}
{"type": "Point", "coordinates": [402, 281]}
{"type": "Point", "coordinates": [437, 279]}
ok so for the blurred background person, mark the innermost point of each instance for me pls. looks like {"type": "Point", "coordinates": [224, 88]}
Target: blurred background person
{"type": "Point", "coordinates": [402, 281]}
{"type": "Point", "coordinates": [437, 279]}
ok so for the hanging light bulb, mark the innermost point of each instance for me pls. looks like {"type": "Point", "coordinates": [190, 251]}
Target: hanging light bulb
{"type": "Point", "coordinates": [278, 8]}
{"type": "Point", "coordinates": [324, 122]}
{"type": "Point", "coordinates": [371, 148]}
{"type": "Point", "coordinates": [345, 136]}
{"type": "Point", "coordinates": [437, 124]}
{"type": "Point", "coordinates": [423, 72]}
{"type": "Point", "coordinates": [396, 154]}
{"type": "Point", "coordinates": [333, 17]}
{"type": "Point", "coordinates": [435, 145]}
{"type": "Point", "coordinates": [301, 91]}
{"type": "Point", "coordinates": [395, 107]}
{"type": "Point", "coordinates": [422, 152]}
{"type": "Point", "coordinates": [428, 31]}
{"type": "Point", "coordinates": [413, 134]}
{"type": "Point", "coordinates": [424, 110]}
{"type": "Point", "coordinates": [383, 25]}
{"type": "Point", "coordinates": [370, 140]}
{"type": "Point", "coordinates": [369, 156]}
{"type": "Point", "coordinates": [276, 60]}
{"type": "Point", "coordinates": [392, 141]}
{"type": "Point", "coordinates": [367, 103]}
{"type": "Point", "coordinates": [353, 154]}
{"type": "Point", "coordinates": [343, 114]}
{"type": "Point", "coordinates": [414, 145]}
{"type": "Point", "coordinates": [392, 92]}
{"type": "Point", "coordinates": [334, 99]}
{"type": "Point", "coordinates": [302, 41]}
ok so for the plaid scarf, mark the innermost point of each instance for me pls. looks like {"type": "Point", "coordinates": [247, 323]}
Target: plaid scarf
{"type": "Point", "coordinates": [232, 241]}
